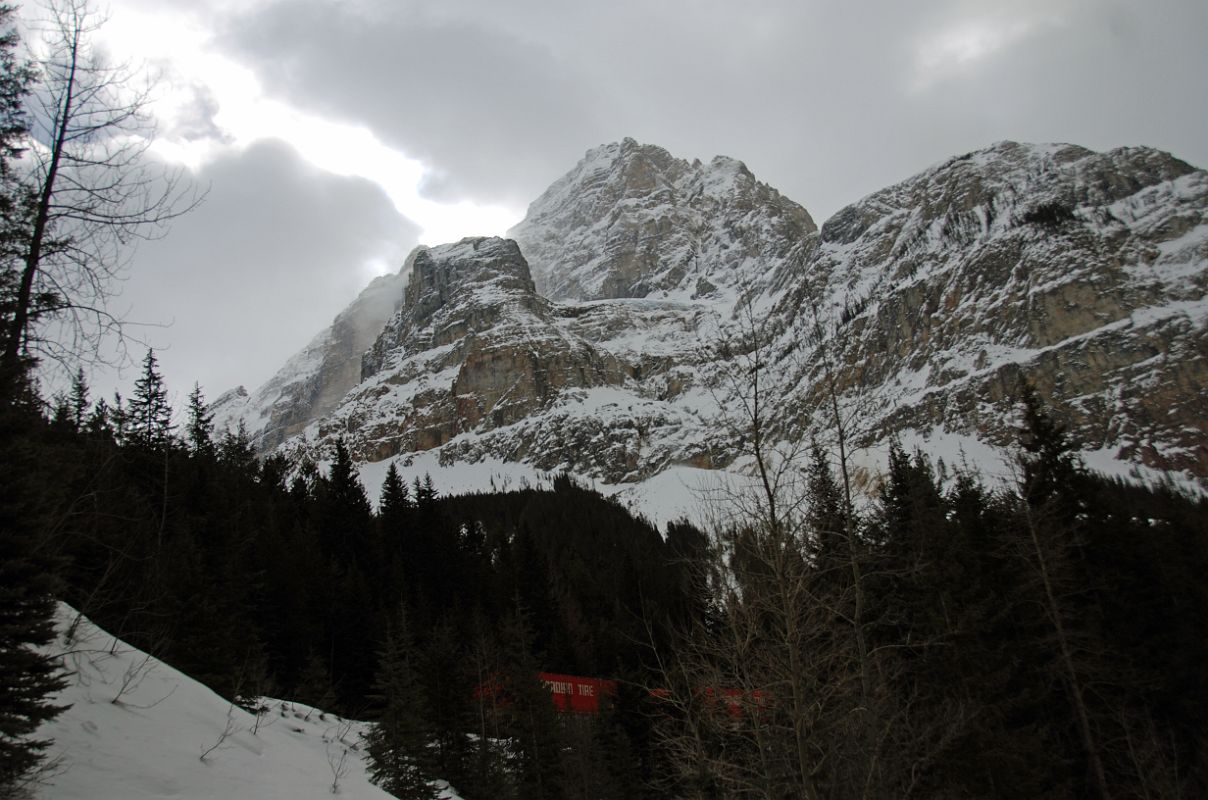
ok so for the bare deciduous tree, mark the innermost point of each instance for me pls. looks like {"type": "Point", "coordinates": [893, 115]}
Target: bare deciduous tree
{"type": "Point", "coordinates": [781, 692]}
{"type": "Point", "coordinates": [92, 191]}
{"type": "Point", "coordinates": [340, 744]}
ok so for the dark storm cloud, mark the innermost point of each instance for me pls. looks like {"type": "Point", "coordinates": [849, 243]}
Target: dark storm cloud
{"type": "Point", "coordinates": [275, 252]}
{"type": "Point", "coordinates": [827, 101]}
{"type": "Point", "coordinates": [483, 107]}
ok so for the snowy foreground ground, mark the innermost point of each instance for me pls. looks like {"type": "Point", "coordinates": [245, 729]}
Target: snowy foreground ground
{"type": "Point", "coordinates": [137, 729]}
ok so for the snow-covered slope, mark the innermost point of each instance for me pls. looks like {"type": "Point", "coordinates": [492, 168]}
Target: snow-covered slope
{"type": "Point", "coordinates": [136, 728]}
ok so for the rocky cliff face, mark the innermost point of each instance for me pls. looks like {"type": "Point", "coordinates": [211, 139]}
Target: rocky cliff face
{"type": "Point", "coordinates": [473, 349]}
{"type": "Point", "coordinates": [655, 283]}
{"type": "Point", "coordinates": [1086, 273]}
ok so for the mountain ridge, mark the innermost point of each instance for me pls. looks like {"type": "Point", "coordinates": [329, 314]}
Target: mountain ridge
{"type": "Point", "coordinates": [922, 305]}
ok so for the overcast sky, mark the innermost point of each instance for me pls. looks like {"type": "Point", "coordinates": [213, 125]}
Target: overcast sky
{"type": "Point", "coordinates": [334, 136]}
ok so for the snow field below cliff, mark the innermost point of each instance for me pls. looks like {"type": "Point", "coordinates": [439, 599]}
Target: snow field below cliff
{"type": "Point", "coordinates": [136, 729]}
{"type": "Point", "coordinates": [673, 494]}
{"type": "Point", "coordinates": [708, 497]}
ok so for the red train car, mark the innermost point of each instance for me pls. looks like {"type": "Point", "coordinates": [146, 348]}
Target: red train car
{"type": "Point", "coordinates": [576, 694]}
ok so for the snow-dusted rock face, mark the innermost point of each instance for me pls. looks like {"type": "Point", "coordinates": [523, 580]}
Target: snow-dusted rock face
{"type": "Point", "coordinates": [922, 306]}
{"type": "Point", "coordinates": [1084, 272]}
{"type": "Point", "coordinates": [630, 220]}
{"type": "Point", "coordinates": [470, 284]}
{"type": "Point", "coordinates": [473, 348]}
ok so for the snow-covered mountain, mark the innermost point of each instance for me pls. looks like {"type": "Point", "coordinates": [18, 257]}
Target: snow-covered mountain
{"type": "Point", "coordinates": [478, 364]}
{"type": "Point", "coordinates": [614, 335]}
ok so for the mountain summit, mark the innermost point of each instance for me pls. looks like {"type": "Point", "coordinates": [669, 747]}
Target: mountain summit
{"type": "Point", "coordinates": [630, 220]}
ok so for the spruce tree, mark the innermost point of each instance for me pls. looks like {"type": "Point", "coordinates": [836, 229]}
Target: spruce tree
{"type": "Point", "coordinates": [395, 500]}
{"type": "Point", "coordinates": [79, 400]}
{"type": "Point", "coordinates": [398, 742]}
{"type": "Point", "coordinates": [28, 679]}
{"type": "Point", "coordinates": [393, 525]}
{"type": "Point", "coordinates": [1053, 539]}
{"type": "Point", "coordinates": [236, 452]}
{"type": "Point", "coordinates": [150, 413]}
{"type": "Point", "coordinates": [345, 487]}
{"type": "Point", "coordinates": [1049, 464]}
{"type": "Point", "coordinates": [99, 423]}
{"type": "Point", "coordinates": [119, 419]}
{"type": "Point", "coordinates": [827, 518]}
{"type": "Point", "coordinates": [201, 424]}
{"type": "Point", "coordinates": [27, 581]}
{"type": "Point", "coordinates": [344, 512]}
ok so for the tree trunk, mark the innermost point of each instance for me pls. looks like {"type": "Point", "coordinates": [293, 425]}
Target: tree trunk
{"type": "Point", "coordinates": [19, 326]}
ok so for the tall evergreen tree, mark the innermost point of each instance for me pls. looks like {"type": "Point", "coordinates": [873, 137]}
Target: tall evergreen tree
{"type": "Point", "coordinates": [344, 511]}
{"type": "Point", "coordinates": [119, 418]}
{"type": "Point", "coordinates": [1053, 539]}
{"type": "Point", "coordinates": [150, 413]}
{"type": "Point", "coordinates": [393, 523]}
{"type": "Point", "coordinates": [236, 452]}
{"type": "Point", "coordinates": [826, 518]}
{"type": "Point", "coordinates": [98, 423]}
{"type": "Point", "coordinates": [28, 679]}
{"type": "Point", "coordinates": [16, 77]}
{"type": "Point", "coordinates": [79, 400]}
{"type": "Point", "coordinates": [398, 741]}
{"type": "Point", "coordinates": [201, 424]}
{"type": "Point", "coordinates": [394, 503]}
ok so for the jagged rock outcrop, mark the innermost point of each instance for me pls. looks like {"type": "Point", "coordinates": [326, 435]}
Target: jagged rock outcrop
{"type": "Point", "coordinates": [483, 278]}
{"type": "Point", "coordinates": [473, 348]}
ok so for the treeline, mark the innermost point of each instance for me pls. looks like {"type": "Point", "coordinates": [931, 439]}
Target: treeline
{"type": "Point", "coordinates": [949, 639]}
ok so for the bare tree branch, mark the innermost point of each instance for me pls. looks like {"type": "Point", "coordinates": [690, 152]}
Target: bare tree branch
{"type": "Point", "coordinates": [92, 192]}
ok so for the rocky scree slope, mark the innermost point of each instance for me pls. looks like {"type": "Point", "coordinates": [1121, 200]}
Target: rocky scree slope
{"type": "Point", "coordinates": [921, 306]}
